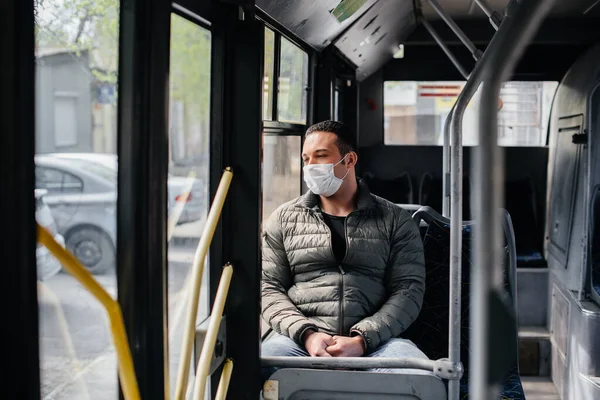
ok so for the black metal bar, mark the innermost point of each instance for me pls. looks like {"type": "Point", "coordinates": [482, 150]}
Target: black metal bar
{"type": "Point", "coordinates": [244, 48]}
{"type": "Point", "coordinates": [323, 84]}
{"type": "Point", "coordinates": [283, 126]}
{"type": "Point", "coordinates": [218, 153]}
{"type": "Point", "coordinates": [276, 71]}
{"type": "Point", "coordinates": [17, 149]}
{"type": "Point", "coordinates": [142, 186]}
{"type": "Point", "coordinates": [313, 58]}
{"type": "Point", "coordinates": [191, 16]}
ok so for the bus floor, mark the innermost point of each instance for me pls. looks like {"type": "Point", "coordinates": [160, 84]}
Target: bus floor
{"type": "Point", "coordinates": [539, 388]}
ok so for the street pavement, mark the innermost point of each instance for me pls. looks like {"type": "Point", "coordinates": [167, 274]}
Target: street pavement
{"type": "Point", "coordinates": [77, 356]}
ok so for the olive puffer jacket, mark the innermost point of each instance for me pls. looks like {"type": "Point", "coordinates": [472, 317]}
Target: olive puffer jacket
{"type": "Point", "coordinates": [376, 292]}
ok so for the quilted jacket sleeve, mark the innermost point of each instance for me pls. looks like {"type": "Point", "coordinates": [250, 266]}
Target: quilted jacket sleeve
{"type": "Point", "coordinates": [277, 308]}
{"type": "Point", "coordinates": [405, 279]}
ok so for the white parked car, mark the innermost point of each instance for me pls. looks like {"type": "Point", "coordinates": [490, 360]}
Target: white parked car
{"type": "Point", "coordinates": [82, 195]}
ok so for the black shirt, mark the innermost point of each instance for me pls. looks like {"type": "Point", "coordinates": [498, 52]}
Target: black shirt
{"type": "Point", "coordinates": [338, 235]}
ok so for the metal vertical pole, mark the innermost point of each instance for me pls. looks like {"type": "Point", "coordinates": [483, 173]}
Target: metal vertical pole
{"type": "Point", "coordinates": [456, 220]}
{"type": "Point", "coordinates": [446, 164]}
{"type": "Point", "coordinates": [453, 132]}
{"type": "Point", "coordinates": [489, 172]}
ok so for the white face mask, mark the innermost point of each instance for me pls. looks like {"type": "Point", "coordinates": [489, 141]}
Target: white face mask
{"type": "Point", "coordinates": [321, 180]}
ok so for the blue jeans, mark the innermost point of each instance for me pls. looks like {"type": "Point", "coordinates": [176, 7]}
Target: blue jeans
{"type": "Point", "coordinates": [283, 346]}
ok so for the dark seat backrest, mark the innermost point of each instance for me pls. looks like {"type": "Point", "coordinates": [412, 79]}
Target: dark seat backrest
{"type": "Point", "coordinates": [431, 193]}
{"type": "Point", "coordinates": [430, 330]}
{"type": "Point", "coordinates": [396, 190]}
{"type": "Point", "coordinates": [520, 202]}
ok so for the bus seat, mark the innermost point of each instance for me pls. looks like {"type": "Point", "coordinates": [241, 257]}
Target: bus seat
{"type": "Point", "coordinates": [520, 202]}
{"type": "Point", "coordinates": [430, 330]}
{"type": "Point", "coordinates": [300, 384]}
{"type": "Point", "coordinates": [396, 190]}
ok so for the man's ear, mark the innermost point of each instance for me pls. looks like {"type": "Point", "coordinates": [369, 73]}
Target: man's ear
{"type": "Point", "coordinates": [352, 159]}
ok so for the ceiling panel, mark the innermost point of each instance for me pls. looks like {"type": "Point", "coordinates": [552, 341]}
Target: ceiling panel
{"type": "Point", "coordinates": [317, 22]}
{"type": "Point", "coordinates": [374, 38]}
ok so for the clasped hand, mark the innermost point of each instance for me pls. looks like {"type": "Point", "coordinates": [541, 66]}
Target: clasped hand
{"type": "Point", "coordinates": [319, 344]}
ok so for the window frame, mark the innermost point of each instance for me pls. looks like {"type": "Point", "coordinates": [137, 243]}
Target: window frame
{"type": "Point", "coordinates": [274, 127]}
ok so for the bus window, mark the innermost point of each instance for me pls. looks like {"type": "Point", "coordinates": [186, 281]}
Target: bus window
{"type": "Point", "coordinates": [415, 112]}
{"type": "Point", "coordinates": [281, 171]}
{"type": "Point", "coordinates": [188, 196]}
{"type": "Point", "coordinates": [76, 58]}
{"type": "Point", "coordinates": [293, 80]}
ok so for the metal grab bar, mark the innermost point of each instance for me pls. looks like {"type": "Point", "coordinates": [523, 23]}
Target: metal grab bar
{"type": "Point", "coordinates": [446, 163]}
{"type": "Point", "coordinates": [442, 368]}
{"type": "Point", "coordinates": [494, 17]}
{"type": "Point", "coordinates": [197, 269]}
{"type": "Point", "coordinates": [454, 161]}
{"type": "Point", "coordinates": [208, 347]}
{"type": "Point", "coordinates": [225, 379]}
{"type": "Point", "coordinates": [475, 52]}
{"type": "Point", "coordinates": [445, 48]}
{"type": "Point", "coordinates": [489, 172]}
{"type": "Point", "coordinates": [73, 266]}
{"type": "Point", "coordinates": [348, 362]}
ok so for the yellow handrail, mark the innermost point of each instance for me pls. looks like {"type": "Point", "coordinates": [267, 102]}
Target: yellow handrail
{"type": "Point", "coordinates": [210, 340]}
{"type": "Point", "coordinates": [197, 269]}
{"type": "Point", "coordinates": [225, 379]}
{"type": "Point", "coordinates": [71, 264]}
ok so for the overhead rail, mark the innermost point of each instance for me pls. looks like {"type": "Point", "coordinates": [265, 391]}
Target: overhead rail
{"type": "Point", "coordinates": [494, 16]}
{"type": "Point", "coordinates": [445, 48]}
{"type": "Point", "coordinates": [127, 377]}
{"type": "Point", "coordinates": [488, 169]}
{"type": "Point", "coordinates": [475, 52]}
{"type": "Point", "coordinates": [197, 270]}
{"type": "Point", "coordinates": [208, 347]}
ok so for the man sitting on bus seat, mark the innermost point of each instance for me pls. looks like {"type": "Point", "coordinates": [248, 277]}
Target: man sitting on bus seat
{"type": "Point", "coordinates": [343, 269]}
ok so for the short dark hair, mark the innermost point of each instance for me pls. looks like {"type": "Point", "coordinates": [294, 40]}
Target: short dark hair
{"type": "Point", "coordinates": [345, 135]}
